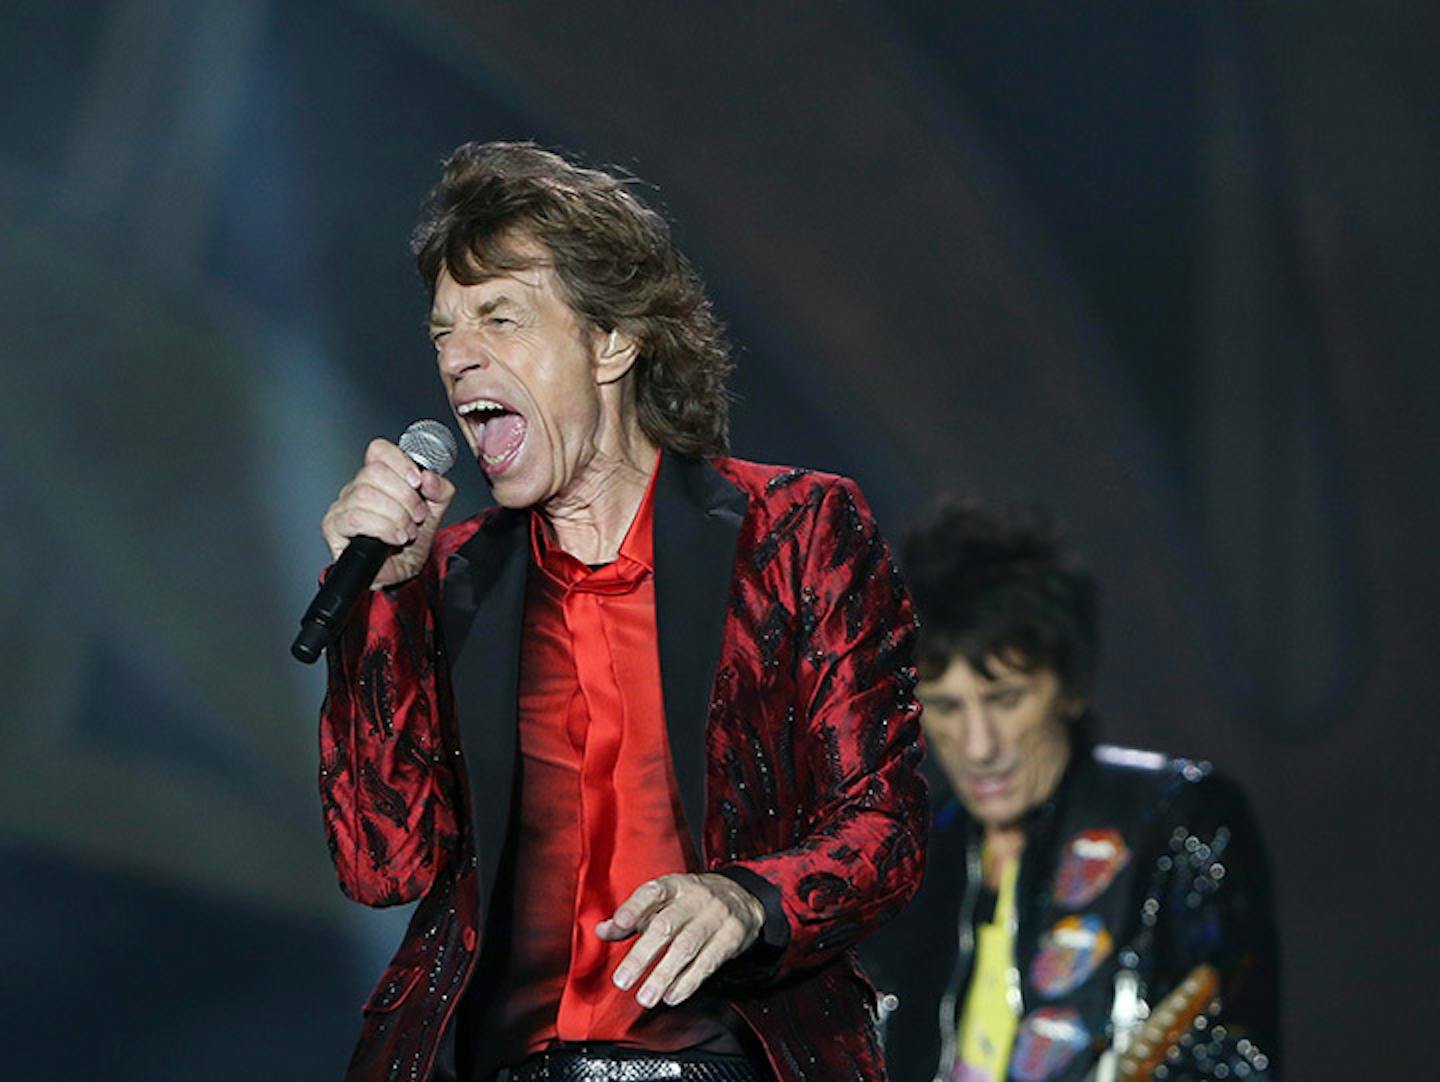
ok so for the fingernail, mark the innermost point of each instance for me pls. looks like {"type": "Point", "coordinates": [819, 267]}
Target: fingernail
{"type": "Point", "coordinates": [413, 476]}
{"type": "Point", "coordinates": [624, 978]}
{"type": "Point", "coordinates": [647, 997]}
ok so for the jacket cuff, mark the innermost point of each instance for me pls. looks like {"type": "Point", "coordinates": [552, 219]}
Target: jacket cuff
{"type": "Point", "coordinates": [762, 959]}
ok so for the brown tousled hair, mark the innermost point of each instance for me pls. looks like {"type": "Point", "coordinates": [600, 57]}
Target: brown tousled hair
{"type": "Point", "coordinates": [999, 581]}
{"type": "Point", "coordinates": [616, 264]}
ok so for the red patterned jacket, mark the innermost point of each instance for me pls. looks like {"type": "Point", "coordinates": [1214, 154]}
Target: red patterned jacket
{"type": "Point", "coordinates": [785, 653]}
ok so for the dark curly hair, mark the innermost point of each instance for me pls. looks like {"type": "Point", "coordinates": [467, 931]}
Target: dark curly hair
{"type": "Point", "coordinates": [616, 264]}
{"type": "Point", "coordinates": [999, 583]}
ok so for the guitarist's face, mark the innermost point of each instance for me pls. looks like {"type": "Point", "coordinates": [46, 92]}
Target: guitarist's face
{"type": "Point", "coordinates": [1002, 737]}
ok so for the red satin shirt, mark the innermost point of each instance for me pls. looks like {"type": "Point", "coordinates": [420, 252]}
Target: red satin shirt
{"type": "Point", "coordinates": [599, 811]}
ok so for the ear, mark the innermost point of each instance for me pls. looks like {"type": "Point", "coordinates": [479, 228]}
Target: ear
{"type": "Point", "coordinates": [615, 353]}
{"type": "Point", "coordinates": [1074, 706]}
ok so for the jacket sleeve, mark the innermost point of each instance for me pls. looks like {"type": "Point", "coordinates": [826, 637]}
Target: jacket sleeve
{"type": "Point", "coordinates": [387, 789]}
{"type": "Point", "coordinates": [1217, 909]}
{"type": "Point", "coordinates": [862, 847]}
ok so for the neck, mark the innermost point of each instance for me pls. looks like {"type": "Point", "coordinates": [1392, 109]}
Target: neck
{"type": "Point", "coordinates": [591, 517]}
{"type": "Point", "coordinates": [1002, 845]}
{"type": "Point", "coordinates": [1004, 842]}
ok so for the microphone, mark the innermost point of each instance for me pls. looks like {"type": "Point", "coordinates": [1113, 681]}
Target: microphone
{"type": "Point", "coordinates": [431, 446]}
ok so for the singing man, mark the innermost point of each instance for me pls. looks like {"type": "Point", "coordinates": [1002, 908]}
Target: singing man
{"type": "Point", "coordinates": [642, 739]}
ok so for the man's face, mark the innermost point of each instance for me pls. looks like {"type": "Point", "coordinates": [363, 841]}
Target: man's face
{"type": "Point", "coordinates": [519, 368]}
{"type": "Point", "coordinates": [1002, 741]}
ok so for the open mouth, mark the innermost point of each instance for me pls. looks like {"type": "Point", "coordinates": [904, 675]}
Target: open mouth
{"type": "Point", "coordinates": [496, 432]}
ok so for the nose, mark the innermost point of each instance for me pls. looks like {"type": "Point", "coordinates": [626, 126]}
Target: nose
{"type": "Point", "coordinates": [460, 351]}
{"type": "Point", "coordinates": [980, 743]}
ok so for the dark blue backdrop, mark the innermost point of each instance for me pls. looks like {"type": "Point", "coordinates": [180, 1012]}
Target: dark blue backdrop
{"type": "Point", "coordinates": [1169, 269]}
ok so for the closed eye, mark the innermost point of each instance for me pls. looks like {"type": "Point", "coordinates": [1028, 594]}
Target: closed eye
{"type": "Point", "coordinates": [1006, 699]}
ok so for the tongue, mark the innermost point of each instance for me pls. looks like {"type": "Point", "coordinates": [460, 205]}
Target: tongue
{"type": "Point", "coordinates": [502, 435]}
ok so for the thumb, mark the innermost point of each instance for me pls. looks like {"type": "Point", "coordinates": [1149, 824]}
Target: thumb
{"type": "Point", "coordinates": [609, 930]}
{"type": "Point", "coordinates": [437, 493]}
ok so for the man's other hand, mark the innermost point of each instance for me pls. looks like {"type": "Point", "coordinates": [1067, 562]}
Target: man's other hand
{"type": "Point", "coordinates": [699, 922]}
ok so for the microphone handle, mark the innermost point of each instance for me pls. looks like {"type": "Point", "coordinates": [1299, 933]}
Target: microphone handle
{"type": "Point", "coordinates": [351, 576]}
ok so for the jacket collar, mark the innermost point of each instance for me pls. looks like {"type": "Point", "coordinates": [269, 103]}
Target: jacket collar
{"type": "Point", "coordinates": [698, 514]}
{"type": "Point", "coordinates": [482, 610]}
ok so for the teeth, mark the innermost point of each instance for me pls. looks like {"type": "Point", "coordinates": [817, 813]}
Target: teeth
{"type": "Point", "coordinates": [487, 405]}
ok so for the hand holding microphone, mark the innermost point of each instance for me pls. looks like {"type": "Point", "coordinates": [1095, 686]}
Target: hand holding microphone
{"type": "Point", "coordinates": [381, 526]}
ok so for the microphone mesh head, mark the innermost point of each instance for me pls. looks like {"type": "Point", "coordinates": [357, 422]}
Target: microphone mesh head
{"type": "Point", "coordinates": [430, 444]}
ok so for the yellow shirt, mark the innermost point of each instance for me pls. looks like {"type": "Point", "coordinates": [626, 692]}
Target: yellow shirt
{"type": "Point", "coordinates": [991, 1015]}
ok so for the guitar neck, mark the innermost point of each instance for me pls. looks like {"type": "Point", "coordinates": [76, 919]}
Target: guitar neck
{"type": "Point", "coordinates": [1167, 1024]}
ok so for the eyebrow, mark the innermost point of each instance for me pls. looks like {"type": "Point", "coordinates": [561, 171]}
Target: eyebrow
{"type": "Point", "coordinates": [500, 300]}
{"type": "Point", "coordinates": [940, 699]}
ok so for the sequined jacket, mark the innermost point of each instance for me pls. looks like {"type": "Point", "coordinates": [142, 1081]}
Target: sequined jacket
{"type": "Point", "coordinates": [785, 640]}
{"type": "Point", "coordinates": [1138, 863]}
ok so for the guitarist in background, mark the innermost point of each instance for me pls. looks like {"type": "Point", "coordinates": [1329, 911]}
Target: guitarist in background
{"type": "Point", "coordinates": [1072, 886]}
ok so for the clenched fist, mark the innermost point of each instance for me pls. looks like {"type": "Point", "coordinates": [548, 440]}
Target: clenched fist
{"type": "Point", "coordinates": [394, 500]}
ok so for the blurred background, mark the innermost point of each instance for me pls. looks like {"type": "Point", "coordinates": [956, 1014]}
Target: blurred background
{"type": "Point", "coordinates": [1169, 268]}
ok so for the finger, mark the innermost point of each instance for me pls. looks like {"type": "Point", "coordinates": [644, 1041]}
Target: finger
{"type": "Point", "coordinates": [724, 945]}
{"type": "Point", "coordinates": [380, 476]}
{"type": "Point", "coordinates": [644, 900]}
{"type": "Point", "coordinates": [684, 949]}
{"type": "Point", "coordinates": [374, 502]}
{"type": "Point", "coordinates": [661, 929]}
{"type": "Point", "coordinates": [388, 454]}
{"type": "Point", "coordinates": [374, 497]}
{"type": "Point", "coordinates": [360, 522]}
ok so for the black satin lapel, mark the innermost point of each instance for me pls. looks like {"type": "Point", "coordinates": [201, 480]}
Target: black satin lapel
{"type": "Point", "coordinates": [697, 523]}
{"type": "Point", "coordinates": [482, 619]}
